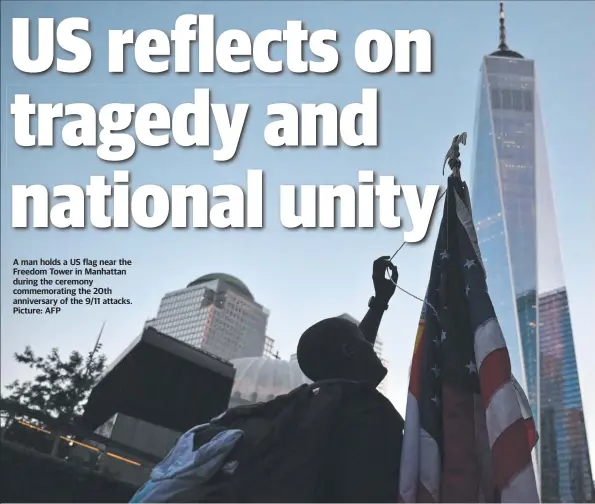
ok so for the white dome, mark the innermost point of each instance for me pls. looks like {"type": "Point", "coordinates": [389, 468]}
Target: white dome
{"type": "Point", "coordinates": [261, 379]}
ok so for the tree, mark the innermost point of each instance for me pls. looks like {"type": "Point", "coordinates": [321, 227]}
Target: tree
{"type": "Point", "coordinates": [61, 387]}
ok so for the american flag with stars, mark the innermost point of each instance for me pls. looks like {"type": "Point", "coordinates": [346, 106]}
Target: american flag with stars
{"type": "Point", "coordinates": [469, 432]}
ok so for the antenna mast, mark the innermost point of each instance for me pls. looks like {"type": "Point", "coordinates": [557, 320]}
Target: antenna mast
{"type": "Point", "coordinates": [502, 46]}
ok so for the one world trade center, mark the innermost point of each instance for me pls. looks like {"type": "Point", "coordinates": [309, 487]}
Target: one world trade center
{"type": "Point", "coordinates": [514, 214]}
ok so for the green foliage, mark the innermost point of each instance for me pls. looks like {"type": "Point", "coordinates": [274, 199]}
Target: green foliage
{"type": "Point", "coordinates": [61, 387]}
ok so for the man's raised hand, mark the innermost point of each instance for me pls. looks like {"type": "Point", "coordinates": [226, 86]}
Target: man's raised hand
{"type": "Point", "coordinates": [384, 287]}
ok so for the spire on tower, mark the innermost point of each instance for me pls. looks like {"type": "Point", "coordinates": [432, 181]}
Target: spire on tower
{"type": "Point", "coordinates": [503, 50]}
{"type": "Point", "coordinates": [502, 46]}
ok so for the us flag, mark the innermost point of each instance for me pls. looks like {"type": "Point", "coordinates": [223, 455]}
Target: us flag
{"type": "Point", "coordinates": [468, 429]}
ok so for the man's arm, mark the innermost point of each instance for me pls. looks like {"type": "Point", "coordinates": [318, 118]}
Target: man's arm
{"type": "Point", "coordinates": [371, 322]}
{"type": "Point", "coordinates": [384, 288]}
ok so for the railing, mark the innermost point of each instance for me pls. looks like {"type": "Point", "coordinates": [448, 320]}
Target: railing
{"type": "Point", "coordinates": [73, 434]}
{"type": "Point", "coordinates": [34, 476]}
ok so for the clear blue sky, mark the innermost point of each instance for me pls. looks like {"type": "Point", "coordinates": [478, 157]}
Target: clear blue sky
{"type": "Point", "coordinates": [302, 276]}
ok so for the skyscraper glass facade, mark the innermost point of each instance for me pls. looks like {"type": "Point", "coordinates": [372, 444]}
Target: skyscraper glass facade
{"type": "Point", "coordinates": [565, 464]}
{"type": "Point", "coordinates": [514, 215]}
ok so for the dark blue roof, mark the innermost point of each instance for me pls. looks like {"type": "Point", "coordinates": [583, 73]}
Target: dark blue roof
{"type": "Point", "coordinates": [507, 53]}
{"type": "Point", "coordinates": [229, 279]}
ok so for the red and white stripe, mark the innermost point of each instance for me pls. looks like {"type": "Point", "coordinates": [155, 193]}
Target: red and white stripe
{"type": "Point", "coordinates": [510, 433]}
{"type": "Point", "coordinates": [510, 428]}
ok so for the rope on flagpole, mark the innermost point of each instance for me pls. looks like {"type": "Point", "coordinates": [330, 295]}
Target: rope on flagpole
{"type": "Point", "coordinates": [404, 242]}
{"type": "Point", "coordinates": [454, 162]}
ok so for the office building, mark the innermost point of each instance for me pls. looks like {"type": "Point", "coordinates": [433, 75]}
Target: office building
{"type": "Point", "coordinates": [216, 313]}
{"type": "Point", "coordinates": [565, 464]}
{"type": "Point", "coordinates": [514, 215]}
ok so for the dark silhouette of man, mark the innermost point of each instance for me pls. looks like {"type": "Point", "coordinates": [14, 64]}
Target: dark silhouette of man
{"type": "Point", "coordinates": [363, 459]}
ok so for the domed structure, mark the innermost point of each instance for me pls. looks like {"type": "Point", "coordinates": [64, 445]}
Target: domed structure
{"type": "Point", "coordinates": [261, 379]}
{"type": "Point", "coordinates": [229, 279]}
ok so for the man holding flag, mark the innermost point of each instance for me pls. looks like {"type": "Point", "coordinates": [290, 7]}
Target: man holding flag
{"type": "Point", "coordinates": [468, 429]}
{"type": "Point", "coordinates": [468, 433]}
